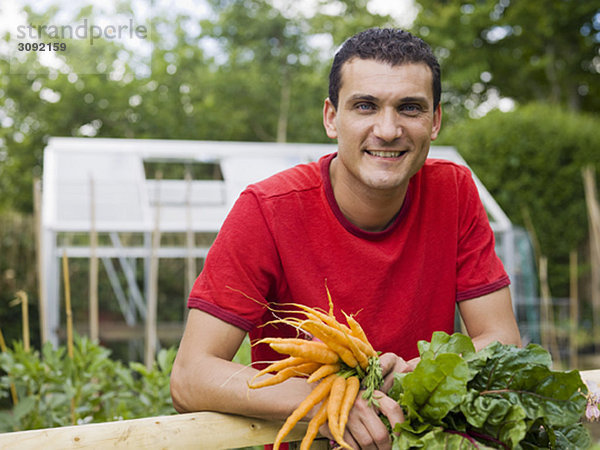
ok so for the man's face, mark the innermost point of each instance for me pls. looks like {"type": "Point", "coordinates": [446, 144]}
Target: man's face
{"type": "Point", "coordinates": [384, 123]}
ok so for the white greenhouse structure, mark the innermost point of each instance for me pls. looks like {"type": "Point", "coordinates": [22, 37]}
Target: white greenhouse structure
{"type": "Point", "coordinates": [96, 191]}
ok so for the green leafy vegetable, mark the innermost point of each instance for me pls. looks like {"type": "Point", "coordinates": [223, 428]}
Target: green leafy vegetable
{"type": "Point", "coordinates": [500, 397]}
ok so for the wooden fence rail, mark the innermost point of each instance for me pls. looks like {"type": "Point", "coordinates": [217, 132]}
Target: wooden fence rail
{"type": "Point", "coordinates": [204, 430]}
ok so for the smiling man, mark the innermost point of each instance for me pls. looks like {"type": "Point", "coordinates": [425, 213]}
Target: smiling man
{"type": "Point", "coordinates": [384, 121]}
{"type": "Point", "coordinates": [400, 240]}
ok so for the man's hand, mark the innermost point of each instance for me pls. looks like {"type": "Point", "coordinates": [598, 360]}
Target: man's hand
{"type": "Point", "coordinates": [390, 364]}
{"type": "Point", "coordinates": [365, 429]}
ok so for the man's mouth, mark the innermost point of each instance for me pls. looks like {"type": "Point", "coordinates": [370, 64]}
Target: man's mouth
{"type": "Point", "coordinates": [385, 154]}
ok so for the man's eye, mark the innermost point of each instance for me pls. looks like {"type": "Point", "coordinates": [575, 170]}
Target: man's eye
{"type": "Point", "coordinates": [364, 106]}
{"type": "Point", "coordinates": [411, 108]}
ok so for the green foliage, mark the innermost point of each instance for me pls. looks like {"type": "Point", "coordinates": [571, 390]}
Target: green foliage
{"type": "Point", "coordinates": [542, 51]}
{"type": "Point", "coordinates": [243, 355]}
{"type": "Point", "coordinates": [531, 159]}
{"type": "Point", "coordinates": [100, 389]}
{"type": "Point", "coordinates": [499, 397]}
{"type": "Point", "coordinates": [17, 272]}
{"type": "Point", "coordinates": [226, 78]}
{"type": "Point", "coordinates": [246, 74]}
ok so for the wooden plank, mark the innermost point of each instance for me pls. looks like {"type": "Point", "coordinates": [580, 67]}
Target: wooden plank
{"type": "Point", "coordinates": [206, 430]}
{"type": "Point", "coordinates": [592, 376]}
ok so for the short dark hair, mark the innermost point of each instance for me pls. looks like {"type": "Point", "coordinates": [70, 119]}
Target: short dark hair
{"type": "Point", "coordinates": [389, 45]}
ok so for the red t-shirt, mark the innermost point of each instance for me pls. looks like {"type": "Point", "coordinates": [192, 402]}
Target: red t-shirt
{"type": "Point", "coordinates": [286, 237]}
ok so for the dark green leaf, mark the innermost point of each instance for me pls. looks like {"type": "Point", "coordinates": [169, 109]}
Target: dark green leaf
{"type": "Point", "coordinates": [442, 342]}
{"type": "Point", "coordinates": [435, 387]}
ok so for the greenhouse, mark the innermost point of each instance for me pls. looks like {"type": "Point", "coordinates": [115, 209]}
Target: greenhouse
{"type": "Point", "coordinates": [137, 187]}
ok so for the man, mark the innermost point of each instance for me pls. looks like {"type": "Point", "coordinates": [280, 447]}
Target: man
{"type": "Point", "coordinates": [398, 240]}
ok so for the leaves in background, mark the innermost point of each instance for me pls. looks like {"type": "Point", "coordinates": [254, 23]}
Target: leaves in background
{"type": "Point", "coordinates": [102, 389]}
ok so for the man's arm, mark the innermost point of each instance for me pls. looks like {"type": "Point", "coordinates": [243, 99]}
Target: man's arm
{"type": "Point", "coordinates": [205, 379]}
{"type": "Point", "coordinates": [490, 318]}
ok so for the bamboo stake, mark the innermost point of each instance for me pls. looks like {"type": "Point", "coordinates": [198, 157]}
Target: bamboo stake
{"type": "Point", "coordinates": [548, 335]}
{"type": "Point", "coordinates": [25, 316]}
{"type": "Point", "coordinates": [93, 275]}
{"type": "Point", "coordinates": [153, 282]}
{"type": "Point", "coordinates": [593, 209]}
{"type": "Point", "coordinates": [69, 315]}
{"type": "Point", "coordinates": [573, 311]}
{"type": "Point", "coordinates": [68, 311]}
{"type": "Point", "coordinates": [13, 389]}
{"type": "Point", "coordinates": [535, 242]}
{"type": "Point", "coordinates": [23, 300]}
{"type": "Point", "coordinates": [37, 215]}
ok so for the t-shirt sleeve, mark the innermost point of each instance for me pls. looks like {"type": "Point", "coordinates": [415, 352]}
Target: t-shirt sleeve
{"type": "Point", "coordinates": [479, 269]}
{"type": "Point", "coordinates": [239, 270]}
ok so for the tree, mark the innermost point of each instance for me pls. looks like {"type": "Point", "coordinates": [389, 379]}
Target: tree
{"type": "Point", "coordinates": [544, 51]}
{"type": "Point", "coordinates": [264, 80]}
{"type": "Point", "coordinates": [531, 158]}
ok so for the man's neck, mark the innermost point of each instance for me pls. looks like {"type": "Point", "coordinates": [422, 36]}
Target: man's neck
{"type": "Point", "coordinates": [369, 209]}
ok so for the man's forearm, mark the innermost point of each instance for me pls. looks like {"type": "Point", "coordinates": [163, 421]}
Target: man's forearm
{"type": "Point", "coordinates": [484, 340]}
{"type": "Point", "coordinates": [490, 318]}
{"type": "Point", "coordinates": [214, 384]}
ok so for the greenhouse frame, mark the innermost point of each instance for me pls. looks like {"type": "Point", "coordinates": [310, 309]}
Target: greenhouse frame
{"type": "Point", "coordinates": [103, 186]}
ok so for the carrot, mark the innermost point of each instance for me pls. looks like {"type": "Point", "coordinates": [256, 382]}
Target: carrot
{"type": "Point", "coordinates": [305, 369]}
{"type": "Point", "coordinates": [334, 404]}
{"type": "Point", "coordinates": [323, 371]}
{"type": "Point", "coordinates": [366, 348]}
{"type": "Point", "coordinates": [325, 318]}
{"type": "Point", "coordinates": [313, 426]}
{"type": "Point", "coordinates": [310, 350]}
{"type": "Point", "coordinates": [316, 395]}
{"type": "Point", "coordinates": [359, 333]}
{"type": "Point", "coordinates": [352, 388]}
{"type": "Point", "coordinates": [359, 349]}
{"type": "Point", "coordinates": [360, 356]}
{"type": "Point", "coordinates": [329, 300]}
{"type": "Point", "coordinates": [332, 339]}
{"type": "Point", "coordinates": [300, 370]}
{"type": "Point", "coordinates": [279, 365]}
{"type": "Point", "coordinates": [273, 340]}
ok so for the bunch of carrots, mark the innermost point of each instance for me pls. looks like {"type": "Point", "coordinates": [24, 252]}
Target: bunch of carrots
{"type": "Point", "coordinates": [340, 359]}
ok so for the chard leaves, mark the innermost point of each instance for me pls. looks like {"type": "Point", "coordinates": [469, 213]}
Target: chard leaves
{"type": "Point", "coordinates": [435, 387]}
{"type": "Point", "coordinates": [523, 377]}
{"type": "Point", "coordinates": [499, 397]}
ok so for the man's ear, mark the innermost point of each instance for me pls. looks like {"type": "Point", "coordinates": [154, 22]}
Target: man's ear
{"type": "Point", "coordinates": [437, 122]}
{"type": "Point", "coordinates": [329, 116]}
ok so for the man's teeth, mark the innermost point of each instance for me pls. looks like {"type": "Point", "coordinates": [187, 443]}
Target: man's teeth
{"type": "Point", "coordinates": [385, 154]}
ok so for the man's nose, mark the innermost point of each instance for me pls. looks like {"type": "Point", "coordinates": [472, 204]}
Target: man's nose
{"type": "Point", "coordinates": [387, 125]}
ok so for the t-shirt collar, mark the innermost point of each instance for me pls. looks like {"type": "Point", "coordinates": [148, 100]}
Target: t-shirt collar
{"type": "Point", "coordinates": [325, 163]}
